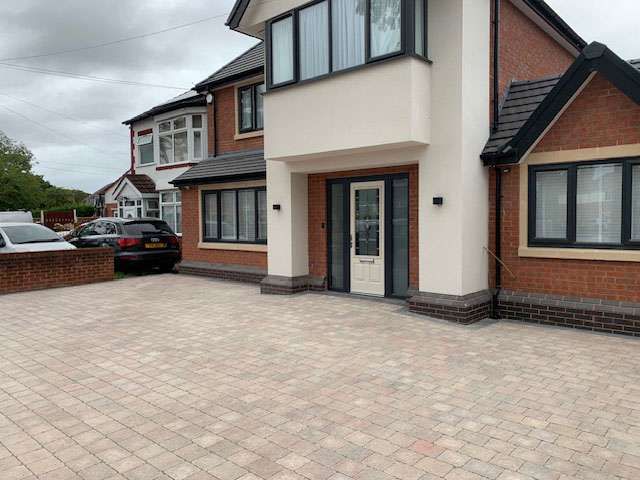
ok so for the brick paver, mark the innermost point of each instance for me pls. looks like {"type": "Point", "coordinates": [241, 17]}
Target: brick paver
{"type": "Point", "coordinates": [183, 378]}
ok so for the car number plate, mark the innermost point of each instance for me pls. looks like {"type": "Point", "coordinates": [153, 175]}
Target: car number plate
{"type": "Point", "coordinates": [155, 245]}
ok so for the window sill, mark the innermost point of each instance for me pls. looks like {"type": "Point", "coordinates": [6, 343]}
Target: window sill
{"type": "Point", "coordinates": [243, 136]}
{"type": "Point", "coordinates": [169, 166]}
{"type": "Point", "coordinates": [580, 254]}
{"type": "Point", "coordinates": [243, 247]}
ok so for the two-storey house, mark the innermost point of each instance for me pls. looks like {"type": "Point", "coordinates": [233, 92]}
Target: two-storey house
{"type": "Point", "coordinates": [375, 114]}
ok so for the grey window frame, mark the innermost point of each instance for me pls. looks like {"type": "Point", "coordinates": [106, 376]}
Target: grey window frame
{"type": "Point", "coordinates": [254, 108]}
{"type": "Point", "coordinates": [626, 243]}
{"type": "Point", "coordinates": [218, 194]}
{"type": "Point", "coordinates": [407, 42]}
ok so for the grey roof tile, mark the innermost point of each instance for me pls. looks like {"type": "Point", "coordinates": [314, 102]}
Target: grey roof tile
{"type": "Point", "coordinates": [522, 99]}
{"type": "Point", "coordinates": [186, 99]}
{"type": "Point", "coordinates": [250, 61]}
{"type": "Point", "coordinates": [224, 167]}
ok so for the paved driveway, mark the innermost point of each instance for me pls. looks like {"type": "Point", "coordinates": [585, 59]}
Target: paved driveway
{"type": "Point", "coordinates": [175, 377]}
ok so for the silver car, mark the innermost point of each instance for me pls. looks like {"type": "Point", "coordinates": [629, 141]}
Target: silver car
{"type": "Point", "coordinates": [30, 237]}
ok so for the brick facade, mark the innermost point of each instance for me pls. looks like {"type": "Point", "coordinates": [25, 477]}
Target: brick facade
{"type": "Point", "coordinates": [526, 51]}
{"type": "Point", "coordinates": [191, 237]}
{"type": "Point", "coordinates": [222, 136]}
{"type": "Point", "coordinates": [600, 116]}
{"type": "Point", "coordinates": [318, 264]}
{"type": "Point", "coordinates": [603, 295]}
{"type": "Point", "coordinates": [21, 272]}
{"type": "Point", "coordinates": [110, 209]}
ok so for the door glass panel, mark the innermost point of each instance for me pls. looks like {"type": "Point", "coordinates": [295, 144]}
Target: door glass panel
{"type": "Point", "coordinates": [367, 221]}
{"type": "Point", "coordinates": [400, 234]}
{"type": "Point", "coordinates": [337, 225]}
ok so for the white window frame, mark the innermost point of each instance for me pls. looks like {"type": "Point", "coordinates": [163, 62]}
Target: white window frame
{"type": "Point", "coordinates": [174, 203]}
{"type": "Point", "coordinates": [190, 130]}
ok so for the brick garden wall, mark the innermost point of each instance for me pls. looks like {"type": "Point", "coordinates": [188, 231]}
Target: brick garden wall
{"type": "Point", "coordinates": [191, 237]}
{"type": "Point", "coordinates": [21, 272]}
{"type": "Point", "coordinates": [318, 266]}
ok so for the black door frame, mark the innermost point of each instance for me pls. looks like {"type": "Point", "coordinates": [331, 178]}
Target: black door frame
{"type": "Point", "coordinates": [388, 228]}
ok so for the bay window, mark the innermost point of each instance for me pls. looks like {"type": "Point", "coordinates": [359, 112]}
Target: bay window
{"type": "Point", "coordinates": [181, 139]}
{"type": "Point", "coordinates": [327, 36]}
{"type": "Point", "coordinates": [171, 209]}
{"type": "Point", "coordinates": [251, 108]}
{"type": "Point", "coordinates": [237, 216]}
{"type": "Point", "coordinates": [587, 204]}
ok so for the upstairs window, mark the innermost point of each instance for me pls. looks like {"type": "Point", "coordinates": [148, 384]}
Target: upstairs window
{"type": "Point", "coordinates": [327, 36]}
{"type": "Point", "coordinates": [586, 205]}
{"type": "Point", "coordinates": [251, 108]}
{"type": "Point", "coordinates": [145, 149]}
{"type": "Point", "coordinates": [385, 27]}
{"type": "Point", "coordinates": [181, 139]}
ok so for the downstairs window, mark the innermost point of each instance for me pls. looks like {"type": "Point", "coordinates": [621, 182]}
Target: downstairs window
{"type": "Point", "coordinates": [237, 216]}
{"type": "Point", "coordinates": [585, 205]}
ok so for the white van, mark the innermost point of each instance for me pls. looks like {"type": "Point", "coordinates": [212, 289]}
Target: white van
{"type": "Point", "coordinates": [16, 217]}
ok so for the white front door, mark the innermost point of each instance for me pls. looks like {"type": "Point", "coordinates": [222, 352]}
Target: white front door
{"type": "Point", "coordinates": [367, 238]}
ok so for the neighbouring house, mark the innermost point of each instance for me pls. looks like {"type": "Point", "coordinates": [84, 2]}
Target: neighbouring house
{"type": "Point", "coordinates": [224, 198]}
{"type": "Point", "coordinates": [166, 141]}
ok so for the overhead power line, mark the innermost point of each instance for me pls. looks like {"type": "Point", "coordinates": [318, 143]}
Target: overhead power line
{"type": "Point", "coordinates": [91, 78]}
{"type": "Point", "coordinates": [55, 132]}
{"type": "Point", "coordinates": [64, 115]}
{"type": "Point", "coordinates": [114, 42]}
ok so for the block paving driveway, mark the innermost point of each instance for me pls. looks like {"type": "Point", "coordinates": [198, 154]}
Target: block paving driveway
{"type": "Point", "coordinates": [177, 377]}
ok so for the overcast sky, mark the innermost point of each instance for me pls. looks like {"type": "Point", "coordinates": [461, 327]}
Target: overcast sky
{"type": "Point", "coordinates": [74, 126]}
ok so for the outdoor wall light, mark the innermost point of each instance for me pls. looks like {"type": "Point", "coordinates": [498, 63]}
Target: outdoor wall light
{"type": "Point", "coordinates": [439, 201]}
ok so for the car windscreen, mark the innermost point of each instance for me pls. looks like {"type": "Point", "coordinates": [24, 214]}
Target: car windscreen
{"type": "Point", "coordinates": [145, 227]}
{"type": "Point", "coordinates": [21, 234]}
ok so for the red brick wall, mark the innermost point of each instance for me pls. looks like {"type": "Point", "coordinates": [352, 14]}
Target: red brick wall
{"type": "Point", "coordinates": [318, 216]}
{"type": "Point", "coordinates": [226, 104]}
{"type": "Point", "coordinates": [21, 272]}
{"type": "Point", "coordinates": [601, 116]}
{"type": "Point", "coordinates": [617, 281]}
{"type": "Point", "coordinates": [191, 237]}
{"type": "Point", "coordinates": [526, 51]}
{"type": "Point", "coordinates": [110, 209]}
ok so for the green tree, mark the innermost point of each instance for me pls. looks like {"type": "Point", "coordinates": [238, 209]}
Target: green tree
{"type": "Point", "coordinates": [22, 189]}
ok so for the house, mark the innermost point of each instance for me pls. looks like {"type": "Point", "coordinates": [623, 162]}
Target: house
{"type": "Point", "coordinates": [375, 114]}
{"type": "Point", "coordinates": [474, 158]}
{"type": "Point", "coordinates": [165, 142]}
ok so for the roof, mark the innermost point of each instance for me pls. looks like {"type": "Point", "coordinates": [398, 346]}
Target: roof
{"type": "Point", "coordinates": [230, 166]}
{"type": "Point", "coordinates": [142, 183]}
{"type": "Point", "coordinates": [530, 107]}
{"type": "Point", "coordinates": [539, 6]}
{"type": "Point", "coordinates": [552, 18]}
{"type": "Point", "coordinates": [186, 99]}
{"type": "Point", "coordinates": [248, 63]}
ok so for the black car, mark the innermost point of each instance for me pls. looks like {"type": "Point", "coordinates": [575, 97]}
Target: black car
{"type": "Point", "coordinates": [137, 242]}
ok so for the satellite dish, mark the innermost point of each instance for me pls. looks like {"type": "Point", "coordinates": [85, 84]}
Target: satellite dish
{"type": "Point", "coordinates": [209, 97]}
